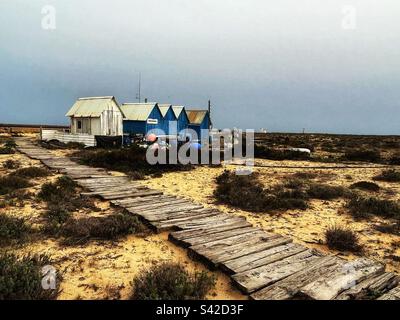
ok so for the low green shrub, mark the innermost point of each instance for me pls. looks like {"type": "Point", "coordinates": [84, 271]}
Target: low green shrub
{"type": "Point", "coordinates": [361, 207]}
{"type": "Point", "coordinates": [394, 159]}
{"type": "Point", "coordinates": [12, 228]}
{"type": "Point", "coordinates": [10, 183]}
{"type": "Point", "coordinates": [264, 152]}
{"type": "Point", "coordinates": [8, 147]}
{"type": "Point", "coordinates": [130, 160]}
{"type": "Point", "coordinates": [21, 278]}
{"type": "Point", "coordinates": [62, 188]}
{"type": "Point", "coordinates": [6, 150]}
{"type": "Point", "coordinates": [10, 144]}
{"type": "Point", "coordinates": [325, 192]}
{"type": "Point", "coordinates": [246, 192]}
{"type": "Point", "coordinates": [362, 155]}
{"type": "Point", "coordinates": [11, 164]}
{"type": "Point", "coordinates": [305, 175]}
{"type": "Point", "coordinates": [365, 185]}
{"type": "Point", "coordinates": [390, 175]}
{"type": "Point", "coordinates": [171, 281]}
{"type": "Point", "coordinates": [78, 231]}
{"type": "Point", "coordinates": [31, 172]}
{"type": "Point", "coordinates": [62, 199]}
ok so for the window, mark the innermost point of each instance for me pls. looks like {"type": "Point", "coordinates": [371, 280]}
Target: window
{"type": "Point", "coordinates": [79, 124]}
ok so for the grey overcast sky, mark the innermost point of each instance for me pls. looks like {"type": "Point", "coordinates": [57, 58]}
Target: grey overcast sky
{"type": "Point", "coordinates": [282, 65]}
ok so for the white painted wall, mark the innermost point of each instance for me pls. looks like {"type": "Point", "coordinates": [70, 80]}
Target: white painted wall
{"type": "Point", "coordinates": [87, 139]}
{"type": "Point", "coordinates": [108, 124]}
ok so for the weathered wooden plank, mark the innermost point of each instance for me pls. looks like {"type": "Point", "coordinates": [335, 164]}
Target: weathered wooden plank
{"type": "Point", "coordinates": [168, 210]}
{"type": "Point", "coordinates": [330, 285]}
{"type": "Point", "coordinates": [210, 237]}
{"type": "Point", "coordinates": [218, 257]}
{"type": "Point", "coordinates": [160, 204]}
{"type": "Point", "coordinates": [113, 192]}
{"type": "Point", "coordinates": [261, 258]}
{"type": "Point", "coordinates": [108, 179]}
{"type": "Point", "coordinates": [181, 237]}
{"type": "Point", "coordinates": [127, 187]}
{"type": "Point", "coordinates": [219, 220]}
{"type": "Point", "coordinates": [164, 225]}
{"type": "Point", "coordinates": [371, 287]}
{"type": "Point", "coordinates": [255, 279]}
{"type": "Point", "coordinates": [215, 245]}
{"type": "Point", "coordinates": [175, 216]}
{"type": "Point", "coordinates": [133, 194]}
{"type": "Point", "coordinates": [288, 287]}
{"type": "Point", "coordinates": [128, 202]}
{"type": "Point", "coordinates": [148, 201]}
{"type": "Point", "coordinates": [393, 294]}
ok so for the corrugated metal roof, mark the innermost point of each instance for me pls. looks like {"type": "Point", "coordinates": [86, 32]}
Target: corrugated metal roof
{"type": "Point", "coordinates": [196, 116]}
{"type": "Point", "coordinates": [164, 108]}
{"type": "Point", "coordinates": [91, 106]}
{"type": "Point", "coordinates": [137, 111]}
{"type": "Point", "coordinates": [177, 110]}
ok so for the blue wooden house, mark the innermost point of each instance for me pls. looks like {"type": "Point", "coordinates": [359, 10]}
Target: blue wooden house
{"type": "Point", "coordinates": [140, 118]}
{"type": "Point", "coordinates": [167, 115]}
{"type": "Point", "coordinates": [198, 120]}
{"type": "Point", "coordinates": [182, 118]}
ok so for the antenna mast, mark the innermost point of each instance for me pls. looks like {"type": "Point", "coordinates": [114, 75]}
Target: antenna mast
{"type": "Point", "coordinates": [138, 94]}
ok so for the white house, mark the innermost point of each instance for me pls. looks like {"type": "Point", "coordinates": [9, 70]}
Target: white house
{"type": "Point", "coordinates": [98, 116]}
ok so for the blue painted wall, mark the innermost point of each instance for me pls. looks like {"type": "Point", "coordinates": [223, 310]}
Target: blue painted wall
{"type": "Point", "coordinates": [204, 125]}
{"type": "Point", "coordinates": [142, 127]}
{"type": "Point", "coordinates": [169, 116]}
{"type": "Point", "coordinates": [183, 121]}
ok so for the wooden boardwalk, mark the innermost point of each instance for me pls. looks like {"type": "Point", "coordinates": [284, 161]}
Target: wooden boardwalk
{"type": "Point", "coordinates": [261, 264]}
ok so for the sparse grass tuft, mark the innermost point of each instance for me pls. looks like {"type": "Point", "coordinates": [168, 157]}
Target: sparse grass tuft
{"type": "Point", "coordinates": [6, 150]}
{"type": "Point", "coordinates": [109, 228]}
{"type": "Point", "coordinates": [11, 164]}
{"type": "Point", "coordinates": [62, 199]}
{"type": "Point", "coordinates": [365, 185]}
{"type": "Point", "coordinates": [326, 192]}
{"type": "Point", "coordinates": [171, 281]}
{"type": "Point", "coordinates": [295, 183]}
{"type": "Point", "coordinates": [8, 147]}
{"type": "Point", "coordinates": [55, 144]}
{"type": "Point", "coordinates": [395, 159]}
{"type": "Point", "coordinates": [21, 278]}
{"type": "Point", "coordinates": [246, 192]}
{"type": "Point", "coordinates": [342, 239]}
{"type": "Point", "coordinates": [31, 172]}
{"type": "Point", "coordinates": [362, 155]}
{"type": "Point", "coordinates": [360, 207]}
{"type": "Point", "coordinates": [10, 183]}
{"type": "Point", "coordinates": [305, 175]}
{"type": "Point", "coordinates": [10, 144]}
{"type": "Point", "coordinates": [243, 191]}
{"type": "Point", "coordinates": [390, 175]}
{"type": "Point", "coordinates": [264, 152]}
{"type": "Point", "coordinates": [11, 228]}
{"type": "Point", "coordinates": [62, 188]}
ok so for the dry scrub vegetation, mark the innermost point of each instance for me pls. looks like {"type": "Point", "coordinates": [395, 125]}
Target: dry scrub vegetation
{"type": "Point", "coordinates": [98, 251]}
{"type": "Point", "coordinates": [344, 211]}
{"type": "Point", "coordinates": [131, 161]}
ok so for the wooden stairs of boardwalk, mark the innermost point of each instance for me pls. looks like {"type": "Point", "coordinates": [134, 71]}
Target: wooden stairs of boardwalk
{"type": "Point", "coordinates": [261, 264]}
